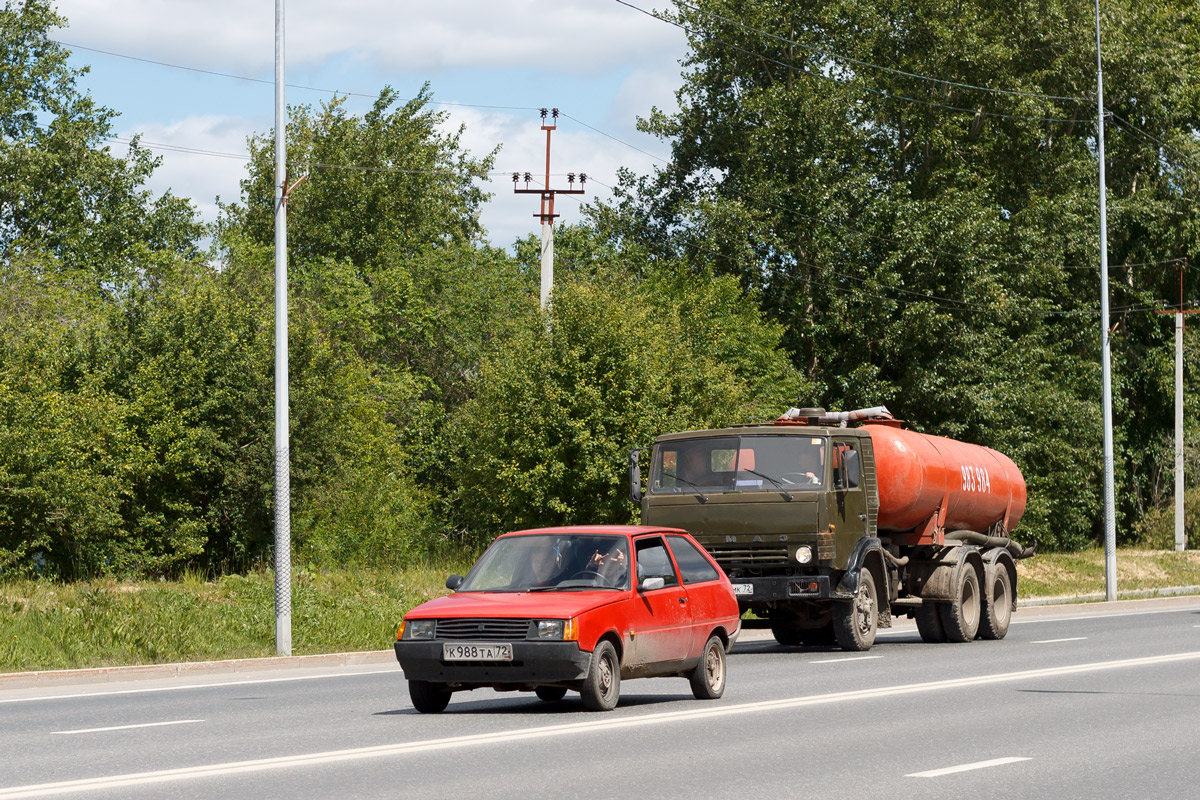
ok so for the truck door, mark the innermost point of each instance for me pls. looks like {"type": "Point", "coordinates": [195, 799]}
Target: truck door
{"type": "Point", "coordinates": [661, 620]}
{"type": "Point", "coordinates": [847, 509]}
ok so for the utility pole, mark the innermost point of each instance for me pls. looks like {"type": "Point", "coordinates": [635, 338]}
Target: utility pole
{"type": "Point", "coordinates": [1180, 536]}
{"type": "Point", "coordinates": [1110, 514]}
{"type": "Point", "coordinates": [283, 477]}
{"type": "Point", "coordinates": [546, 214]}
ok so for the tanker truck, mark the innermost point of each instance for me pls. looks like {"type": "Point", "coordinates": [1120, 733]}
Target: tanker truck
{"type": "Point", "coordinates": [827, 531]}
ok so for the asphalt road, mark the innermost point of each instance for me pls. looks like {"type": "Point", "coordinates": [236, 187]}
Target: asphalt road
{"type": "Point", "coordinates": [1100, 702]}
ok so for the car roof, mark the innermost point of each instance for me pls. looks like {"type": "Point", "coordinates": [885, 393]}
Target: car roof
{"type": "Point", "coordinates": [625, 530]}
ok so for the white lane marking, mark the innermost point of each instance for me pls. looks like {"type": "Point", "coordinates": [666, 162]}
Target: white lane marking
{"type": "Point", "coordinates": [214, 685]}
{"type": "Point", "coordinates": [1054, 641]}
{"type": "Point", "coordinates": [841, 660]}
{"type": "Point", "coordinates": [995, 762]}
{"type": "Point", "coordinates": [567, 729]}
{"type": "Point", "coordinates": [910, 629]}
{"type": "Point", "coordinates": [126, 727]}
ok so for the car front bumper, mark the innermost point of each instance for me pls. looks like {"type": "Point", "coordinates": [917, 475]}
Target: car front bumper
{"type": "Point", "coordinates": [533, 663]}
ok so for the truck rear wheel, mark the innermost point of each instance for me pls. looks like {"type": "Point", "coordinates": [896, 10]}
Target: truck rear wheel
{"type": "Point", "coordinates": [855, 623]}
{"type": "Point", "coordinates": [997, 605]}
{"type": "Point", "coordinates": [929, 623]}
{"type": "Point", "coordinates": [960, 617]}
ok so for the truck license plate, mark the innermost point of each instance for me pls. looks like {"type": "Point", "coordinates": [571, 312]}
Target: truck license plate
{"type": "Point", "coordinates": [477, 651]}
{"type": "Point", "coordinates": [743, 588]}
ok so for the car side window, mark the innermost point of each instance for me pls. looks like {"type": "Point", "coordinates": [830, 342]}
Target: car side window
{"type": "Point", "coordinates": [653, 561]}
{"type": "Point", "coordinates": [694, 567]}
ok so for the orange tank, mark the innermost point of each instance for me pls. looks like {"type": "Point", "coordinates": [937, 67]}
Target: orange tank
{"type": "Point", "coordinates": [969, 487]}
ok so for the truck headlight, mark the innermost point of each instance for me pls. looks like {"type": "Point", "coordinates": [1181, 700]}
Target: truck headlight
{"type": "Point", "coordinates": [421, 628]}
{"type": "Point", "coordinates": [803, 554]}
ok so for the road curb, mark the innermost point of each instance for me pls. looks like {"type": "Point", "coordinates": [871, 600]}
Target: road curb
{"type": "Point", "coordinates": [1132, 594]}
{"type": "Point", "coordinates": [66, 677]}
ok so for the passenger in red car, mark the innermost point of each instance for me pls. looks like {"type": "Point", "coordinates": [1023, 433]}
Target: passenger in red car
{"type": "Point", "coordinates": [610, 565]}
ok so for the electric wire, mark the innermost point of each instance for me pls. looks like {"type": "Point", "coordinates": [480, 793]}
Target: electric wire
{"type": "Point", "coordinates": [884, 93]}
{"type": "Point", "coordinates": [892, 70]}
{"type": "Point", "coordinates": [272, 82]}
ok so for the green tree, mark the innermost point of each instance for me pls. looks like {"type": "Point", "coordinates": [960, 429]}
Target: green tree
{"type": "Point", "coordinates": [619, 358]}
{"type": "Point", "coordinates": [62, 192]}
{"type": "Point", "coordinates": [926, 243]}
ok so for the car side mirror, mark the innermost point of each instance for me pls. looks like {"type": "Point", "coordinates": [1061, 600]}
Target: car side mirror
{"type": "Point", "coordinates": [650, 584]}
{"type": "Point", "coordinates": [453, 582]}
{"type": "Point", "coordinates": [635, 476]}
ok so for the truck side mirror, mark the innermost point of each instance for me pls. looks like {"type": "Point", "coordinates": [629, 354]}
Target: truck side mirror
{"type": "Point", "coordinates": [635, 476]}
{"type": "Point", "coordinates": [453, 582]}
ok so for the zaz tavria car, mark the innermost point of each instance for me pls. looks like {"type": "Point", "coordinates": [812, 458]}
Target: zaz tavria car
{"type": "Point", "coordinates": [579, 609]}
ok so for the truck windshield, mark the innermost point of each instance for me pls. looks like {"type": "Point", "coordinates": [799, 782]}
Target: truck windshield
{"type": "Point", "coordinates": [551, 562]}
{"type": "Point", "coordinates": [738, 464]}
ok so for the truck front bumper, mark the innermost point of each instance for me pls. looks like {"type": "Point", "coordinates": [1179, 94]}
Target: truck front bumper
{"type": "Point", "coordinates": [533, 663]}
{"type": "Point", "coordinates": [791, 587]}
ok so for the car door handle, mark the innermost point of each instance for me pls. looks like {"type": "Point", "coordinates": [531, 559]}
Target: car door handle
{"type": "Point", "coordinates": [683, 601]}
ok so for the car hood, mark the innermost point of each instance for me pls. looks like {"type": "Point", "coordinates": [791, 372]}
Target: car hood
{"type": "Point", "coordinates": [514, 604]}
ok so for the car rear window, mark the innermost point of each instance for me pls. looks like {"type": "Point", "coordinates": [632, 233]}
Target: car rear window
{"type": "Point", "coordinates": [694, 567]}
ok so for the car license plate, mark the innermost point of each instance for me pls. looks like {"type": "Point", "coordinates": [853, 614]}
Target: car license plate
{"type": "Point", "coordinates": [743, 588]}
{"type": "Point", "coordinates": [477, 651]}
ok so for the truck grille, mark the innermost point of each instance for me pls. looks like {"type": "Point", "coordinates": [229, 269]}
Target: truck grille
{"type": "Point", "coordinates": [743, 555]}
{"type": "Point", "coordinates": [503, 629]}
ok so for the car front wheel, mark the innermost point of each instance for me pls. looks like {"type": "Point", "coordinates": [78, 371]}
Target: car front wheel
{"type": "Point", "coordinates": [602, 687]}
{"type": "Point", "coordinates": [428, 698]}
{"type": "Point", "coordinates": [708, 679]}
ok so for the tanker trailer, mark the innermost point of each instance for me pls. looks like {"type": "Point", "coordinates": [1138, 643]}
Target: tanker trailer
{"type": "Point", "coordinates": [827, 531]}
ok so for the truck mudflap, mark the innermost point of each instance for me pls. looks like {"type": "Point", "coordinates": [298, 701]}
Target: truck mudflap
{"type": "Point", "coordinates": [786, 587]}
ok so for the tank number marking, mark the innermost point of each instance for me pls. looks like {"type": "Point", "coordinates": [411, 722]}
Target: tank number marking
{"type": "Point", "coordinates": [975, 479]}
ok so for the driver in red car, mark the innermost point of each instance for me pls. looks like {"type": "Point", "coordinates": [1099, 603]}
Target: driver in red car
{"type": "Point", "coordinates": [543, 564]}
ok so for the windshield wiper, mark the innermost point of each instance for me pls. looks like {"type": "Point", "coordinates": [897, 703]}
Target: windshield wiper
{"type": "Point", "coordinates": [701, 496]}
{"type": "Point", "coordinates": [778, 485]}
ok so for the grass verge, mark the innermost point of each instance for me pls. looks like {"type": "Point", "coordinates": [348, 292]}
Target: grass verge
{"type": "Point", "coordinates": [46, 625]}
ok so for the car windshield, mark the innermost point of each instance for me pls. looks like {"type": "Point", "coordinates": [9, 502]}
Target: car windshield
{"type": "Point", "coordinates": [551, 562]}
{"type": "Point", "coordinates": [760, 463]}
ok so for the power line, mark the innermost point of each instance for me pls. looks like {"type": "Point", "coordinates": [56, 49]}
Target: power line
{"type": "Point", "coordinates": [858, 62]}
{"type": "Point", "coordinates": [271, 82]}
{"type": "Point", "coordinates": [615, 139]}
{"type": "Point", "coordinates": [1131, 128]}
{"type": "Point", "coordinates": [884, 93]}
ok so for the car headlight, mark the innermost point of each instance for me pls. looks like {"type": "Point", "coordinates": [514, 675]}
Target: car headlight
{"type": "Point", "coordinates": [804, 554]}
{"type": "Point", "coordinates": [557, 629]}
{"type": "Point", "coordinates": [421, 628]}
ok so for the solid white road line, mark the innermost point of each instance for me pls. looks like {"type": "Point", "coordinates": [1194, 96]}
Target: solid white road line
{"type": "Point", "coordinates": [908, 631]}
{"type": "Point", "coordinates": [568, 729]}
{"type": "Point", "coordinates": [840, 660]}
{"type": "Point", "coordinates": [995, 762]}
{"type": "Point", "coordinates": [213, 685]}
{"type": "Point", "coordinates": [1053, 641]}
{"type": "Point", "coordinates": [126, 727]}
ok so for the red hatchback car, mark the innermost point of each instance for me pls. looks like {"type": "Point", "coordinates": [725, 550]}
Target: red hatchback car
{"type": "Point", "coordinates": [578, 608]}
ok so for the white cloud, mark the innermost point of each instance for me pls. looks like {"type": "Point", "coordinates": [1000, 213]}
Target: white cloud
{"type": "Point", "coordinates": [577, 36]}
{"type": "Point", "coordinates": [200, 159]}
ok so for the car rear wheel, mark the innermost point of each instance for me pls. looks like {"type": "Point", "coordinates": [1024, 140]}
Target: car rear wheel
{"type": "Point", "coordinates": [708, 679]}
{"type": "Point", "coordinates": [550, 694]}
{"type": "Point", "coordinates": [428, 698]}
{"type": "Point", "coordinates": [602, 687]}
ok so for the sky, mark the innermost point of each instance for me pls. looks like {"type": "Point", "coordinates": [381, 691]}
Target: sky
{"type": "Point", "coordinates": [490, 65]}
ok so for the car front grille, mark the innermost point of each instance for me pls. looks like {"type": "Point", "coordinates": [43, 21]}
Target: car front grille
{"type": "Point", "coordinates": [502, 629]}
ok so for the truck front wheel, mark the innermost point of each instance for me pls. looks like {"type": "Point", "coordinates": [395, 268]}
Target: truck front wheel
{"type": "Point", "coordinates": [855, 623]}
